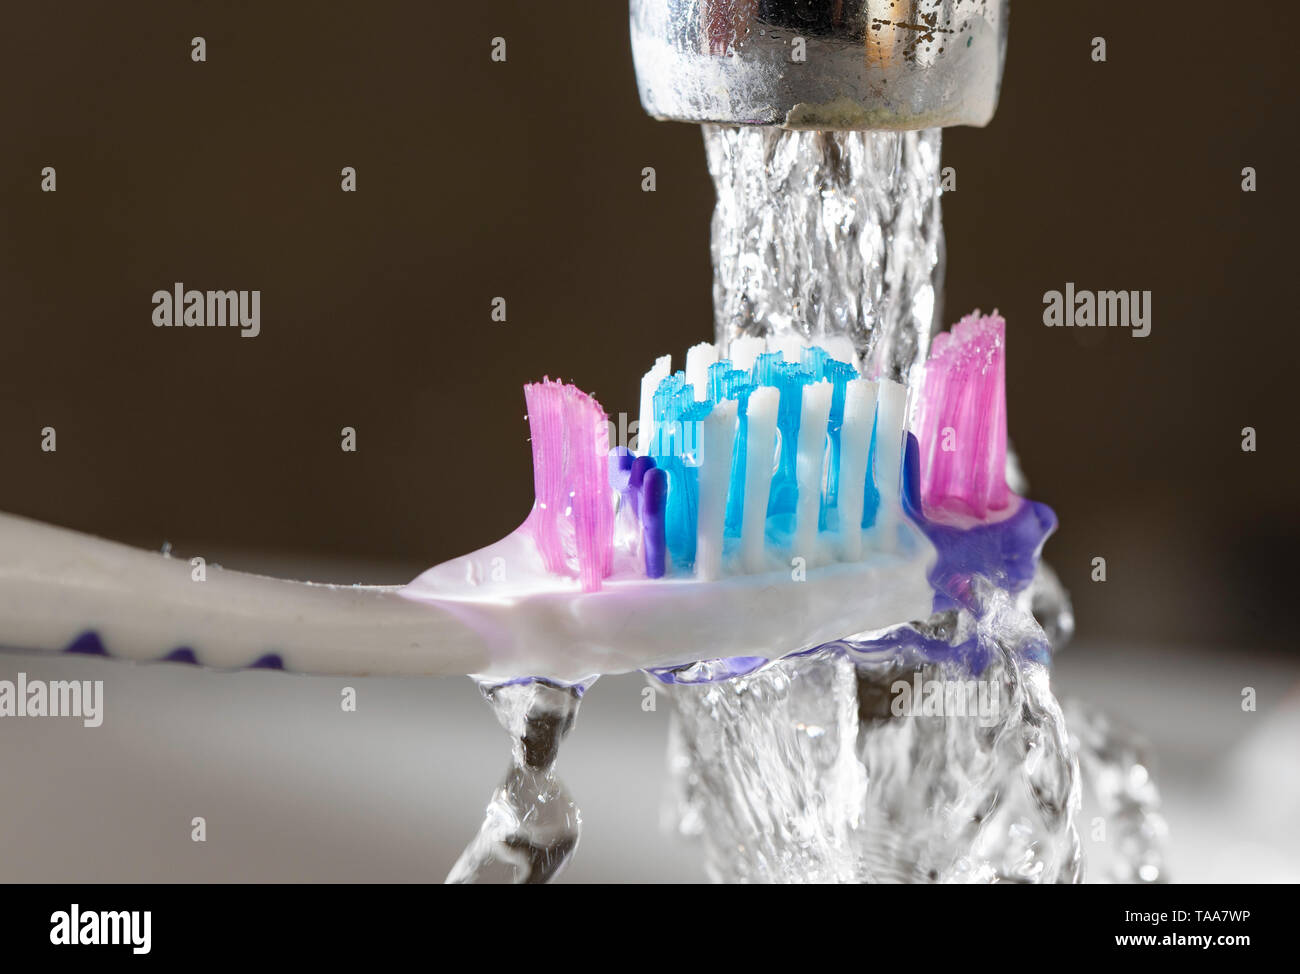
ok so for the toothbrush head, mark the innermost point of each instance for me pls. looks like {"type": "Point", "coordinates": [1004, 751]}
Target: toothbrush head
{"type": "Point", "coordinates": [773, 502]}
{"type": "Point", "coordinates": [761, 506]}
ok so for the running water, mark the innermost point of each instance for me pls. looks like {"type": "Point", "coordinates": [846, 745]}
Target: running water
{"type": "Point", "coordinates": [934, 751]}
{"type": "Point", "coordinates": [531, 825]}
{"type": "Point", "coordinates": [848, 765]}
{"type": "Point", "coordinates": [832, 236]}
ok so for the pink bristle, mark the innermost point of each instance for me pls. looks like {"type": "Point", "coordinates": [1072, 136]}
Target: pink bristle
{"type": "Point", "coordinates": [965, 390]}
{"type": "Point", "coordinates": [546, 423]}
{"type": "Point", "coordinates": [573, 515]}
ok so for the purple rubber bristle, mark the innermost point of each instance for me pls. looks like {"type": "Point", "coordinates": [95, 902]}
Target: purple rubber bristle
{"type": "Point", "coordinates": [654, 541]}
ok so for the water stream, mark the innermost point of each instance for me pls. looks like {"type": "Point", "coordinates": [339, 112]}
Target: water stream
{"type": "Point", "coordinates": [530, 829]}
{"type": "Point", "coordinates": [805, 769]}
{"type": "Point", "coordinates": [833, 236]}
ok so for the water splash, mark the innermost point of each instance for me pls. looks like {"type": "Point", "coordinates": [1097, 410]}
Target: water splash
{"type": "Point", "coordinates": [824, 767]}
{"type": "Point", "coordinates": [531, 826]}
{"type": "Point", "coordinates": [1117, 777]}
{"type": "Point", "coordinates": [828, 767]}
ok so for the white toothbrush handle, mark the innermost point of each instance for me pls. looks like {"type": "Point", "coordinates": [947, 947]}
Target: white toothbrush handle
{"type": "Point", "coordinates": [56, 585]}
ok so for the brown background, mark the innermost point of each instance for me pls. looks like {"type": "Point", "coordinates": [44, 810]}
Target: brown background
{"type": "Point", "coordinates": [522, 179]}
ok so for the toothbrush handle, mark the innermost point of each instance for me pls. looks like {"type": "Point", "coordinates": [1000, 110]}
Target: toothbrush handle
{"type": "Point", "coordinates": [65, 591]}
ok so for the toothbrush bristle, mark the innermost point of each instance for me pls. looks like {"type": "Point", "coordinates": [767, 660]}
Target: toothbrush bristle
{"type": "Point", "coordinates": [962, 419]}
{"type": "Point", "coordinates": [654, 495]}
{"type": "Point", "coordinates": [573, 517]}
{"type": "Point", "coordinates": [779, 455]}
{"type": "Point", "coordinates": [752, 454]}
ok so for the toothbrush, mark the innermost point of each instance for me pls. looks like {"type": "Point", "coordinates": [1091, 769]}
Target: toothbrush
{"type": "Point", "coordinates": [731, 533]}
{"type": "Point", "coordinates": [777, 501]}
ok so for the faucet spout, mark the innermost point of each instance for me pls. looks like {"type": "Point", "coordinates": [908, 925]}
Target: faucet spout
{"type": "Point", "coordinates": [826, 65]}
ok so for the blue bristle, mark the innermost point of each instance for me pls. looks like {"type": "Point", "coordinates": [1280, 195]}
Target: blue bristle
{"type": "Point", "coordinates": [790, 379]}
{"type": "Point", "coordinates": [765, 368]}
{"type": "Point", "coordinates": [839, 375]}
{"type": "Point", "coordinates": [679, 515]}
{"type": "Point", "coordinates": [718, 373]}
{"type": "Point", "coordinates": [738, 385]}
{"type": "Point", "coordinates": [871, 500]}
{"type": "Point", "coordinates": [816, 357]}
{"type": "Point", "coordinates": [677, 415]}
{"type": "Point", "coordinates": [771, 369]}
{"type": "Point", "coordinates": [666, 410]}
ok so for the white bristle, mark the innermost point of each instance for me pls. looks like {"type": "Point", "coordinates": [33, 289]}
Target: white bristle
{"type": "Point", "coordinates": [890, 417]}
{"type": "Point", "coordinates": [891, 421]}
{"type": "Point", "coordinates": [717, 439]}
{"type": "Point", "coordinates": [855, 445]}
{"type": "Point", "coordinates": [760, 454]}
{"type": "Point", "coordinates": [840, 348]}
{"type": "Point", "coordinates": [810, 463]}
{"type": "Point", "coordinates": [744, 352]}
{"type": "Point", "coordinates": [791, 345]}
{"type": "Point", "coordinates": [698, 359]}
{"type": "Point", "coordinates": [649, 383]}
